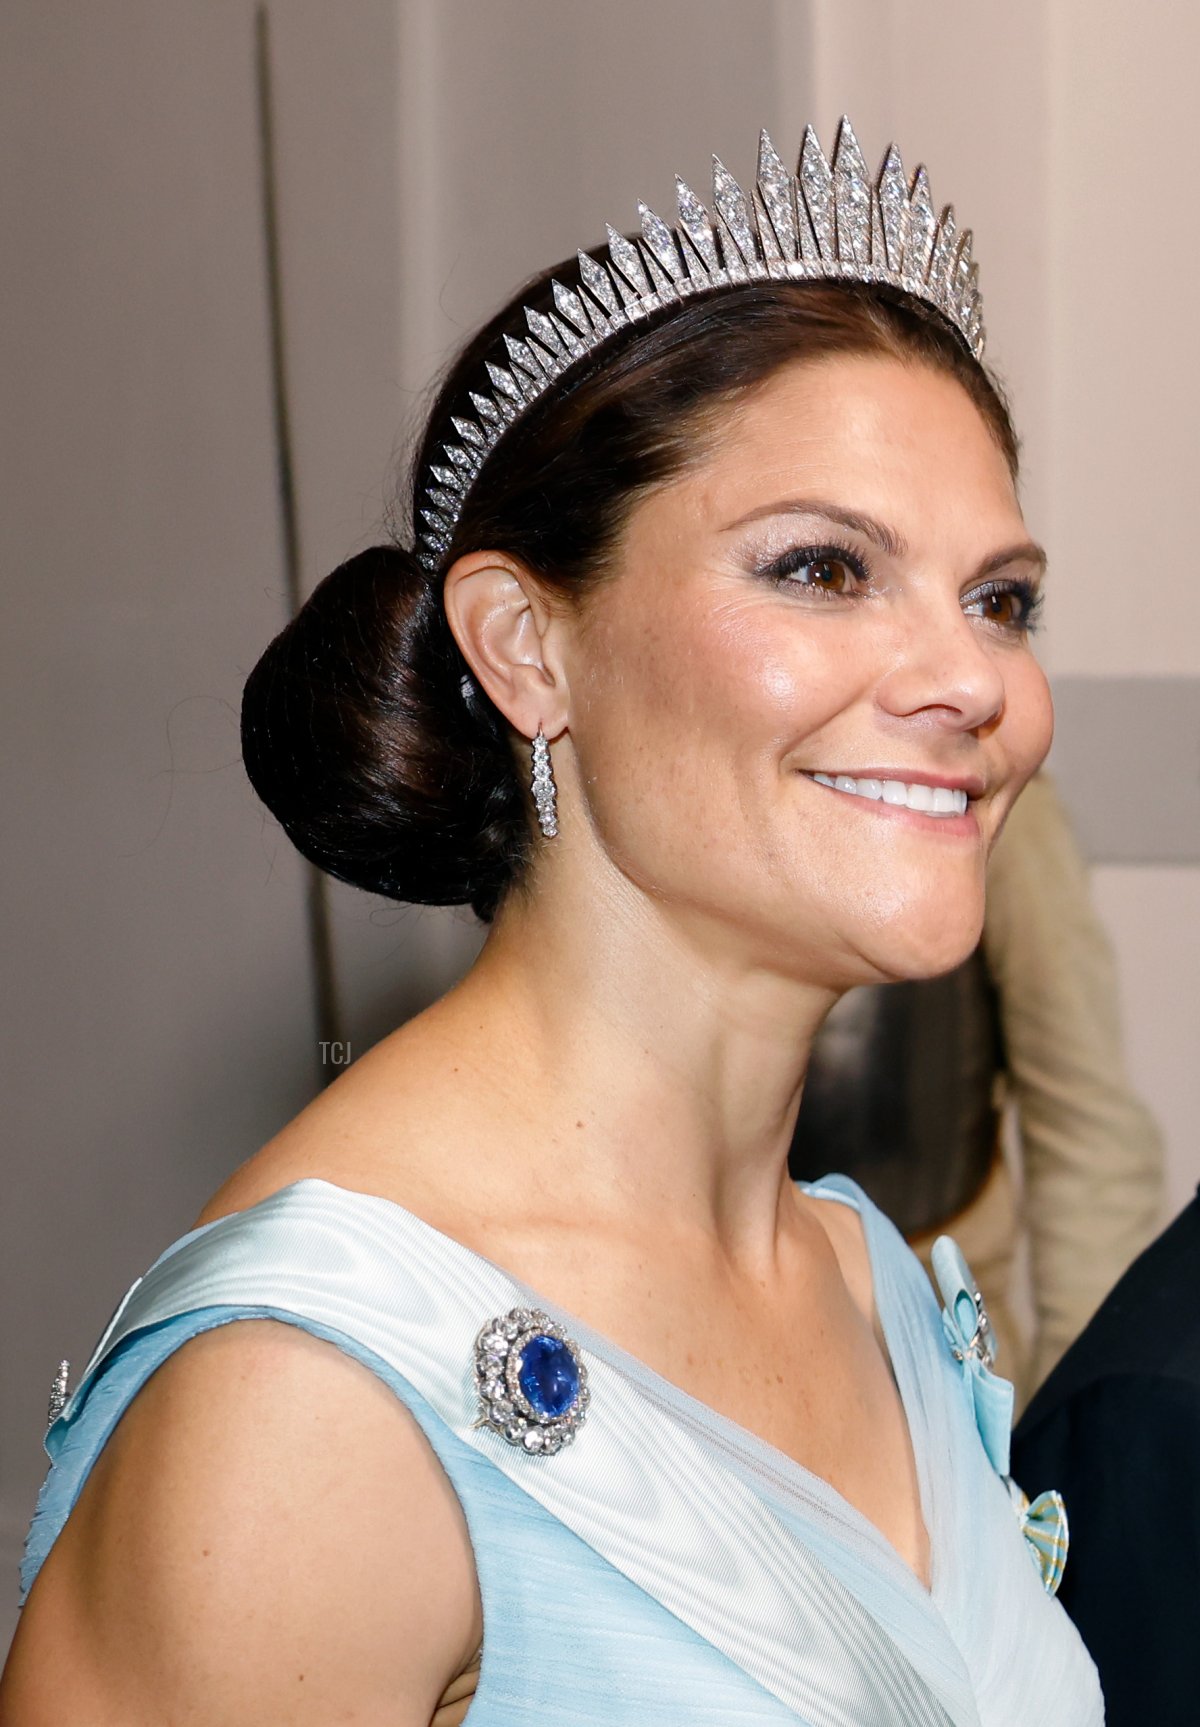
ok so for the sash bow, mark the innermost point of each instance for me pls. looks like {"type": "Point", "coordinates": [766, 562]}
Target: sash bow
{"type": "Point", "coordinates": [1044, 1525]}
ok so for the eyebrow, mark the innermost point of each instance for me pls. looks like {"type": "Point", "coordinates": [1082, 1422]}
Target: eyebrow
{"type": "Point", "coordinates": [887, 539]}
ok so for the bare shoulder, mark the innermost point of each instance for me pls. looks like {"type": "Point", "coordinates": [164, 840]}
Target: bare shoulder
{"type": "Point", "coordinates": [267, 1537]}
{"type": "Point", "coordinates": [378, 1128]}
{"type": "Point", "coordinates": [844, 1228]}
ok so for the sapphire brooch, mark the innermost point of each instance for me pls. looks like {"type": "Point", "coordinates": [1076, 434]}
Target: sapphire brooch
{"type": "Point", "coordinates": [531, 1381]}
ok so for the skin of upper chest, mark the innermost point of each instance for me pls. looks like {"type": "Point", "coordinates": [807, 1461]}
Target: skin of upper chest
{"type": "Point", "coordinates": [794, 1355]}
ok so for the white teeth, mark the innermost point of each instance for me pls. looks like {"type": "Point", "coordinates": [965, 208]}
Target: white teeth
{"type": "Point", "coordinates": [930, 800]}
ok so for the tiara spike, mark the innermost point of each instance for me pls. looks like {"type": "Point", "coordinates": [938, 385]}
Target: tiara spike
{"type": "Point", "coordinates": [545, 355]}
{"type": "Point", "coordinates": [549, 354]}
{"type": "Point", "coordinates": [547, 335]}
{"type": "Point", "coordinates": [768, 241]}
{"type": "Point", "coordinates": [489, 414]}
{"type": "Point", "coordinates": [694, 220]}
{"type": "Point", "coordinates": [508, 390]}
{"type": "Point", "coordinates": [662, 284]}
{"type": "Point", "coordinates": [975, 333]}
{"type": "Point", "coordinates": [851, 199]}
{"type": "Point", "coordinates": [522, 362]}
{"type": "Point", "coordinates": [824, 222]}
{"type": "Point", "coordinates": [817, 184]}
{"type": "Point", "coordinates": [599, 284]}
{"type": "Point", "coordinates": [922, 225]}
{"type": "Point", "coordinates": [777, 201]}
{"type": "Point", "coordinates": [568, 336]}
{"type": "Point", "coordinates": [469, 432]}
{"type": "Point", "coordinates": [891, 201]}
{"type": "Point", "coordinates": [942, 262]}
{"type": "Point", "coordinates": [632, 282]}
{"type": "Point", "coordinates": [733, 268]}
{"type": "Point", "coordinates": [808, 244]}
{"type": "Point", "coordinates": [734, 213]}
{"type": "Point", "coordinates": [660, 242]}
{"type": "Point", "coordinates": [572, 309]}
{"type": "Point", "coordinates": [960, 276]}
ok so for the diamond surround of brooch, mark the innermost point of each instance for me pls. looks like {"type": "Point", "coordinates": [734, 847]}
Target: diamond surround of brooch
{"type": "Point", "coordinates": [531, 1381]}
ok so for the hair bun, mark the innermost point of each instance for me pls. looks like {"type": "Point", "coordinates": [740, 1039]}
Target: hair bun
{"type": "Point", "coordinates": [356, 736]}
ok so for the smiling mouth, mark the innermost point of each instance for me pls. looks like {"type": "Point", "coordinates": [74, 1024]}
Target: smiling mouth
{"type": "Point", "coordinates": [905, 794]}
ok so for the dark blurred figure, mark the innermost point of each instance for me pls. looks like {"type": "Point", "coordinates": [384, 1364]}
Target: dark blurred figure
{"type": "Point", "coordinates": [1116, 1427]}
{"type": "Point", "coordinates": [908, 1082]}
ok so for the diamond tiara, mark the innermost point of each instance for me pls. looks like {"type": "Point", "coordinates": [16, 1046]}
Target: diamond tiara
{"type": "Point", "coordinates": [822, 223]}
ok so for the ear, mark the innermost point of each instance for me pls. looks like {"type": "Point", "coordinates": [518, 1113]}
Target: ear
{"type": "Point", "coordinates": [500, 619]}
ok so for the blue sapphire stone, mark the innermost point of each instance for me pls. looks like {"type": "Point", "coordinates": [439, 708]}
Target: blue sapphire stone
{"type": "Point", "coordinates": [548, 1375]}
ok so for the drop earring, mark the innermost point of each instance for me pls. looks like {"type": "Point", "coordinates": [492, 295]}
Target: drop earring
{"type": "Point", "coordinates": [542, 786]}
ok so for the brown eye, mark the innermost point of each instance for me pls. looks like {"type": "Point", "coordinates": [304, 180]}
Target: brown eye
{"type": "Point", "coordinates": [1011, 606]}
{"type": "Point", "coordinates": [830, 573]}
{"type": "Point", "coordinates": [1000, 608]}
{"type": "Point", "coordinates": [819, 570]}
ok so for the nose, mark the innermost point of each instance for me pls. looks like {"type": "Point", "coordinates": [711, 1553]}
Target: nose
{"type": "Point", "coordinates": [943, 669]}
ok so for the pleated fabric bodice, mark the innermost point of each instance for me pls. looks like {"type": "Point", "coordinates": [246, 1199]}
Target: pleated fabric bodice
{"type": "Point", "coordinates": [668, 1566]}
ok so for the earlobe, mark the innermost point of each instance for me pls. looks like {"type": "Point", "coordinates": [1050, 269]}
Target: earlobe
{"type": "Point", "coordinates": [505, 630]}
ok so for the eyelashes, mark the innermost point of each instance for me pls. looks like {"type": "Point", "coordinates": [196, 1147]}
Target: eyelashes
{"type": "Point", "coordinates": [830, 555]}
{"type": "Point", "coordinates": [1027, 599]}
{"type": "Point", "coordinates": [836, 571]}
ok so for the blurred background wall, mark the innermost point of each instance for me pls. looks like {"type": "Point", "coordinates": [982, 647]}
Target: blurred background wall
{"type": "Point", "coordinates": [165, 1009]}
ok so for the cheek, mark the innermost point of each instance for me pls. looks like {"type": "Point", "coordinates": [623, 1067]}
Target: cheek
{"type": "Point", "coordinates": [1029, 713]}
{"type": "Point", "coordinates": [730, 688]}
{"type": "Point", "coordinates": [687, 736]}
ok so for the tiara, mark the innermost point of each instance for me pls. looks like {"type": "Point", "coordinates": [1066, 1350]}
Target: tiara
{"type": "Point", "coordinates": [822, 223]}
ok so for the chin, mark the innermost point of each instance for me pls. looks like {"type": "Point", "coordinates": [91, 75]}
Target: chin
{"type": "Point", "coordinates": [903, 937]}
{"type": "Point", "coordinates": [915, 952]}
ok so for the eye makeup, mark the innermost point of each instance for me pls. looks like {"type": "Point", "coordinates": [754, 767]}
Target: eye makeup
{"type": "Point", "coordinates": [1026, 595]}
{"type": "Point", "coordinates": [828, 558]}
{"type": "Point", "coordinates": [833, 570]}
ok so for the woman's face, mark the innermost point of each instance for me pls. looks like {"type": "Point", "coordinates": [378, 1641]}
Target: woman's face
{"type": "Point", "coordinates": [840, 588]}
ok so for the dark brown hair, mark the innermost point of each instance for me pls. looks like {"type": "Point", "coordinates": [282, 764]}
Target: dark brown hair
{"type": "Point", "coordinates": [361, 728]}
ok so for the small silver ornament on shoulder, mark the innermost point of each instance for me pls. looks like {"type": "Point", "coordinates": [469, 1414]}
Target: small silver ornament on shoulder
{"type": "Point", "coordinates": [58, 1393]}
{"type": "Point", "coordinates": [968, 1328]}
{"type": "Point", "coordinates": [531, 1381]}
{"type": "Point", "coordinates": [982, 1341]}
{"type": "Point", "coordinates": [542, 786]}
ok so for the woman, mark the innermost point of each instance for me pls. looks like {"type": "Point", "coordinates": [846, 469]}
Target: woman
{"type": "Point", "coordinates": [703, 1449]}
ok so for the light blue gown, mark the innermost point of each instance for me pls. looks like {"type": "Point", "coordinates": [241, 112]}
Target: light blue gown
{"type": "Point", "coordinates": [668, 1567]}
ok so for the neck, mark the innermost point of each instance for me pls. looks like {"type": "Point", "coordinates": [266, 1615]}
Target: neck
{"type": "Point", "coordinates": [649, 1064]}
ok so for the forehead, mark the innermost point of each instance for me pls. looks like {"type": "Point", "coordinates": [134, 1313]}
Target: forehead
{"type": "Point", "coordinates": [894, 439]}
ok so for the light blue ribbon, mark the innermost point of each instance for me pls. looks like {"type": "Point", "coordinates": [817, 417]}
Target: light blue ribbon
{"type": "Point", "coordinates": [965, 1322]}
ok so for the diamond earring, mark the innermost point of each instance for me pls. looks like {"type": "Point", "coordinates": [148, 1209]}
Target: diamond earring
{"type": "Point", "coordinates": [542, 786]}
